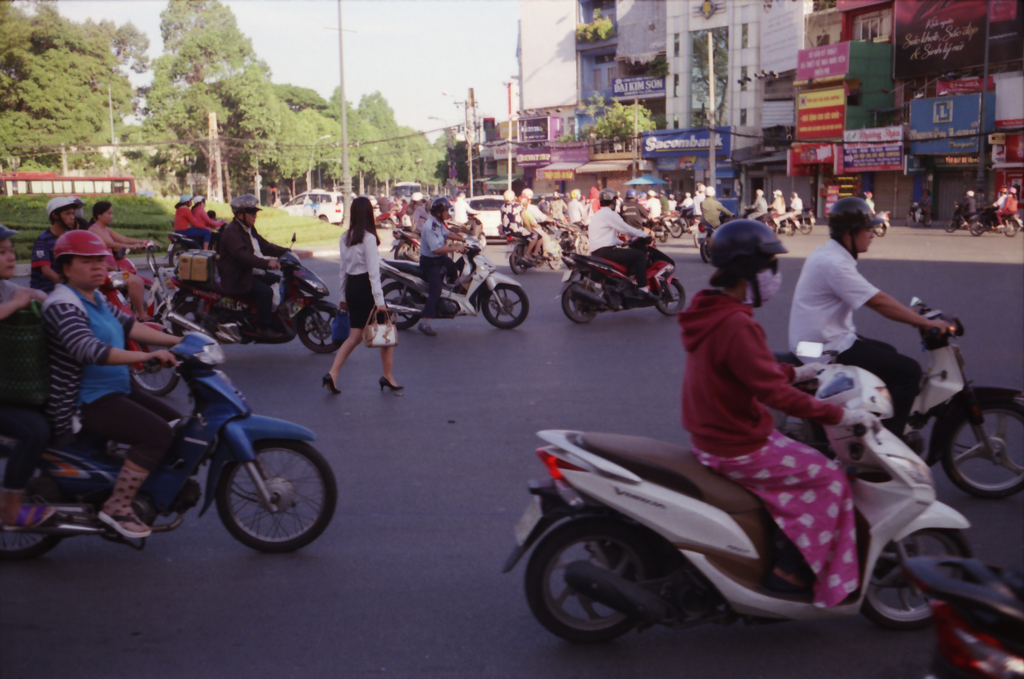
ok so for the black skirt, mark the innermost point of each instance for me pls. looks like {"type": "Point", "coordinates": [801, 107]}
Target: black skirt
{"type": "Point", "coordinates": [359, 296]}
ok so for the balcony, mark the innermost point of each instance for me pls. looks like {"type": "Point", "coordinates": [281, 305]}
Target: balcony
{"type": "Point", "coordinates": [612, 149]}
{"type": "Point", "coordinates": [600, 33]}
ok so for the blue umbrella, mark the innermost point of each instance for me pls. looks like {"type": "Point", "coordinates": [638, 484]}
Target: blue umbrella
{"type": "Point", "coordinates": [645, 180]}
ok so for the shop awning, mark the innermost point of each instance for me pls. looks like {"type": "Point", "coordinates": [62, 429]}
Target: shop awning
{"type": "Point", "coordinates": [558, 171]}
{"type": "Point", "coordinates": [501, 179]}
{"type": "Point", "coordinates": [596, 166]}
{"type": "Point", "coordinates": [777, 158]}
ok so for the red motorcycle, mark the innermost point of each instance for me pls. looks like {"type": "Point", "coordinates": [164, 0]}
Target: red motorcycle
{"type": "Point", "coordinates": [593, 285]}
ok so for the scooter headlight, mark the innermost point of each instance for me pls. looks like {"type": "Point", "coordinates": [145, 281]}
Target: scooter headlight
{"type": "Point", "coordinates": [211, 354]}
{"type": "Point", "coordinates": [916, 469]}
{"type": "Point", "coordinates": [116, 280]}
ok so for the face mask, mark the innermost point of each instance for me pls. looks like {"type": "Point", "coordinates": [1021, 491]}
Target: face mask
{"type": "Point", "coordinates": [768, 283]}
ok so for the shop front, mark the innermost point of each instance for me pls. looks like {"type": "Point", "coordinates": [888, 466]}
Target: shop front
{"type": "Point", "coordinates": [947, 140]}
{"type": "Point", "coordinates": [876, 154]}
{"type": "Point", "coordinates": [681, 157]}
{"type": "Point", "coordinates": [820, 168]}
{"type": "Point", "coordinates": [560, 173]}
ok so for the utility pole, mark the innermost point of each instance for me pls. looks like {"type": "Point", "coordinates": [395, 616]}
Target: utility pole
{"type": "Point", "coordinates": [636, 130]}
{"type": "Point", "coordinates": [470, 114]}
{"type": "Point", "coordinates": [113, 149]}
{"type": "Point", "coordinates": [64, 159]}
{"type": "Point", "coordinates": [214, 177]}
{"type": "Point", "coordinates": [711, 108]}
{"type": "Point", "coordinates": [346, 172]}
{"type": "Point", "coordinates": [509, 146]}
{"type": "Point", "coordinates": [981, 109]}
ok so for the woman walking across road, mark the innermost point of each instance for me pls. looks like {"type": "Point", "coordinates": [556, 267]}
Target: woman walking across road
{"type": "Point", "coordinates": [360, 290]}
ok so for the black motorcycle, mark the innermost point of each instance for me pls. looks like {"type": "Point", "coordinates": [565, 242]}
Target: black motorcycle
{"type": "Point", "coordinates": [919, 214]}
{"type": "Point", "coordinates": [960, 219]}
{"type": "Point", "coordinates": [406, 245]}
{"type": "Point", "coordinates": [593, 285]}
{"type": "Point", "coordinates": [987, 220]}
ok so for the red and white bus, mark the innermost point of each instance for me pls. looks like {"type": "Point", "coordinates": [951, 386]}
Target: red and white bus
{"type": "Point", "coordinates": [52, 184]}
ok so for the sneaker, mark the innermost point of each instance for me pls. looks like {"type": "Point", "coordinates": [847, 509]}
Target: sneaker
{"type": "Point", "coordinates": [427, 330]}
{"type": "Point", "coordinates": [128, 525]}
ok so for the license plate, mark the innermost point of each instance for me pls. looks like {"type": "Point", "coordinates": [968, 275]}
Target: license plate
{"type": "Point", "coordinates": [566, 275]}
{"type": "Point", "coordinates": [530, 518]}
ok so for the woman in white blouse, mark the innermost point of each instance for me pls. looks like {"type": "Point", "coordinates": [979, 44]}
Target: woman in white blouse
{"type": "Point", "coordinates": [361, 291]}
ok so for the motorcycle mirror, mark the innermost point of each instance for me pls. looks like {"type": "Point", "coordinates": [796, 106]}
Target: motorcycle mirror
{"type": "Point", "coordinates": [293, 238]}
{"type": "Point", "coordinates": [810, 349]}
{"type": "Point", "coordinates": [916, 301]}
{"type": "Point", "coordinates": [119, 255]}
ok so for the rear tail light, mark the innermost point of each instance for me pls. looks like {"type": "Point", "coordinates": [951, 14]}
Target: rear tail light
{"type": "Point", "coordinates": [970, 650]}
{"type": "Point", "coordinates": [555, 465]}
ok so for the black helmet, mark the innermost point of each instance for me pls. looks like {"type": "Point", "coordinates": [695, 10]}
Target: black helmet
{"type": "Point", "coordinates": [743, 246]}
{"type": "Point", "coordinates": [245, 203]}
{"type": "Point", "coordinates": [442, 204]}
{"type": "Point", "coordinates": [607, 197]}
{"type": "Point", "coordinates": [850, 214]}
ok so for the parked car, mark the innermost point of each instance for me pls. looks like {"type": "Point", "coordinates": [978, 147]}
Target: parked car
{"type": "Point", "coordinates": [489, 208]}
{"type": "Point", "coordinates": [327, 206]}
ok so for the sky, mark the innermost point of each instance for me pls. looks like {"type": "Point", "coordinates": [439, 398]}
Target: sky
{"type": "Point", "coordinates": [409, 50]}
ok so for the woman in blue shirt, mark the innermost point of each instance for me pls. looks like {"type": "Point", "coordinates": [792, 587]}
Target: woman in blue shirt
{"type": "Point", "coordinates": [89, 373]}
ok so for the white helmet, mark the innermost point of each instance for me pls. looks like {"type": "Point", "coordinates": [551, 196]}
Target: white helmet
{"type": "Point", "coordinates": [652, 193]}
{"type": "Point", "coordinates": [509, 195]}
{"type": "Point", "coordinates": [61, 202]}
{"type": "Point", "coordinates": [777, 192]}
{"type": "Point", "coordinates": [417, 197]}
{"type": "Point", "coordinates": [710, 192]}
{"type": "Point", "coordinates": [688, 195]}
{"type": "Point", "coordinates": [528, 193]}
{"type": "Point", "coordinates": [970, 194]}
{"type": "Point", "coordinates": [759, 193]}
{"type": "Point", "coordinates": [198, 199]}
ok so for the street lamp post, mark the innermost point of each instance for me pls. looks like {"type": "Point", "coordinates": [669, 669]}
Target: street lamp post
{"type": "Point", "coordinates": [346, 173]}
{"type": "Point", "coordinates": [309, 173]}
{"type": "Point", "coordinates": [470, 110]}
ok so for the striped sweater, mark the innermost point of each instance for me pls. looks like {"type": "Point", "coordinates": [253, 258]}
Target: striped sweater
{"type": "Point", "coordinates": [71, 346]}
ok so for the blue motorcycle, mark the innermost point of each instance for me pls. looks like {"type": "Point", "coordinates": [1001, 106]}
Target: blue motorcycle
{"type": "Point", "coordinates": [274, 491]}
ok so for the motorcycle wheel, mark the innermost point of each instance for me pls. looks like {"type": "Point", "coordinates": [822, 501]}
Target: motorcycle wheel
{"type": "Point", "coordinates": [1012, 227]}
{"type": "Point", "coordinates": [880, 230]}
{"type": "Point", "coordinates": [675, 229]}
{"type": "Point", "coordinates": [575, 310]}
{"type": "Point", "coordinates": [890, 600]}
{"type": "Point", "coordinates": [677, 303]}
{"type": "Point", "coordinates": [806, 228]}
{"type": "Point", "coordinates": [696, 239]}
{"type": "Point", "coordinates": [663, 236]}
{"type": "Point", "coordinates": [705, 251]}
{"type": "Point", "coordinates": [397, 294]}
{"type": "Point", "coordinates": [313, 326]}
{"type": "Point", "coordinates": [566, 613]}
{"type": "Point", "coordinates": [174, 255]}
{"type": "Point", "coordinates": [22, 546]}
{"type": "Point", "coordinates": [506, 301]}
{"type": "Point", "coordinates": [951, 226]}
{"type": "Point", "coordinates": [517, 261]}
{"type": "Point", "coordinates": [976, 228]}
{"type": "Point", "coordinates": [970, 466]}
{"type": "Point", "coordinates": [407, 253]}
{"type": "Point", "coordinates": [299, 477]}
{"type": "Point", "coordinates": [154, 380]}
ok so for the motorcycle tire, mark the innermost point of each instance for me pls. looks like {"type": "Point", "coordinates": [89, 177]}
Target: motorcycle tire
{"type": "Point", "coordinates": [671, 309]}
{"type": "Point", "coordinates": [675, 229]}
{"type": "Point", "coordinates": [663, 236]}
{"type": "Point", "coordinates": [517, 260]}
{"type": "Point", "coordinates": [314, 330]}
{"type": "Point", "coordinates": [806, 228]}
{"type": "Point", "coordinates": [705, 251]}
{"type": "Point", "coordinates": [506, 300]}
{"type": "Point", "coordinates": [605, 543]}
{"type": "Point", "coordinates": [880, 230]}
{"type": "Point", "coordinates": [23, 546]}
{"type": "Point", "coordinates": [951, 226]}
{"type": "Point", "coordinates": [156, 381]}
{"type": "Point", "coordinates": [976, 228]}
{"type": "Point", "coordinates": [911, 611]}
{"type": "Point", "coordinates": [406, 252]}
{"type": "Point", "coordinates": [256, 527]}
{"type": "Point", "coordinates": [576, 310]}
{"type": "Point", "coordinates": [963, 446]}
{"type": "Point", "coordinates": [696, 237]}
{"type": "Point", "coordinates": [397, 294]}
{"type": "Point", "coordinates": [174, 255]}
{"type": "Point", "coordinates": [1012, 227]}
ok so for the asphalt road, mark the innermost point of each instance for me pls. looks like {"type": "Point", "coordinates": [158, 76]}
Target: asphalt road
{"type": "Point", "coordinates": [406, 581]}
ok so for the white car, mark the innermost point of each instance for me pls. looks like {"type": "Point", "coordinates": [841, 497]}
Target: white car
{"type": "Point", "coordinates": [327, 206]}
{"type": "Point", "coordinates": [489, 209]}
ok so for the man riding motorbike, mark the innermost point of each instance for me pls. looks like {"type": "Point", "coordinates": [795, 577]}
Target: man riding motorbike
{"type": "Point", "coordinates": [418, 211]}
{"type": "Point", "coordinates": [434, 259]}
{"type": "Point", "coordinates": [575, 211]}
{"type": "Point", "coordinates": [830, 289]}
{"type": "Point", "coordinates": [713, 210]}
{"type": "Point", "coordinates": [558, 207]}
{"type": "Point", "coordinates": [603, 232]}
{"type": "Point", "coordinates": [632, 212]}
{"type": "Point", "coordinates": [245, 269]}
{"type": "Point", "coordinates": [531, 224]}
{"type": "Point", "coordinates": [760, 206]}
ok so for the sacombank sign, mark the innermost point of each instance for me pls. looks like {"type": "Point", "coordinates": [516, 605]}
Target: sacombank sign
{"type": "Point", "coordinates": [684, 142]}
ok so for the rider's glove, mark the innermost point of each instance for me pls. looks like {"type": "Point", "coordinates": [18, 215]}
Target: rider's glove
{"type": "Point", "coordinates": [858, 416]}
{"type": "Point", "coordinates": [805, 373]}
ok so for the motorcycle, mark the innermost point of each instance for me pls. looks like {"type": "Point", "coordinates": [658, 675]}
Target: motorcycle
{"type": "Point", "coordinates": [703, 236]}
{"type": "Point", "coordinates": [572, 237]}
{"type": "Point", "coordinates": [631, 532]}
{"type": "Point", "coordinates": [979, 430]}
{"type": "Point", "coordinates": [919, 214]}
{"type": "Point", "coordinates": [676, 225]}
{"type": "Point", "coordinates": [979, 617]}
{"type": "Point", "coordinates": [804, 223]}
{"type": "Point", "coordinates": [660, 229]}
{"type": "Point", "coordinates": [274, 492]}
{"type": "Point", "coordinates": [406, 245]}
{"type": "Point", "coordinates": [303, 311]}
{"type": "Point", "coordinates": [551, 252]}
{"type": "Point", "coordinates": [500, 299]}
{"type": "Point", "coordinates": [986, 221]}
{"type": "Point", "coordinates": [881, 229]}
{"type": "Point", "coordinates": [593, 285]}
{"type": "Point", "coordinates": [959, 220]}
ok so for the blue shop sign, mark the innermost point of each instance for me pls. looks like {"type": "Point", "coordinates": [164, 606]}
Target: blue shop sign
{"type": "Point", "coordinates": [638, 87]}
{"type": "Point", "coordinates": [692, 142]}
{"type": "Point", "coordinates": [948, 125]}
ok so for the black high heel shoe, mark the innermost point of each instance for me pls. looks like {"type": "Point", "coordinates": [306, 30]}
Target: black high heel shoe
{"type": "Point", "coordinates": [329, 384]}
{"type": "Point", "coordinates": [384, 383]}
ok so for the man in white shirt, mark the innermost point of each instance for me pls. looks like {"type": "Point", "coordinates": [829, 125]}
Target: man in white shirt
{"type": "Point", "coordinates": [653, 204]}
{"type": "Point", "coordinates": [603, 232]}
{"type": "Point", "coordinates": [830, 289]}
{"type": "Point", "coordinates": [698, 199]}
{"type": "Point", "coordinates": [462, 209]}
{"type": "Point", "coordinates": [574, 210]}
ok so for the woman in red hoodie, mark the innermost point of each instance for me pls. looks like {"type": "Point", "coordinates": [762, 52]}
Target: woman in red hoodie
{"type": "Point", "coordinates": [730, 376]}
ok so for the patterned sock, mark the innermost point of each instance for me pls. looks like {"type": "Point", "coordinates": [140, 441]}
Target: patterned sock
{"type": "Point", "coordinates": [127, 484]}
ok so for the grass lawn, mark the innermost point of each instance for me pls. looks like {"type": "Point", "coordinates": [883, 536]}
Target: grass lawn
{"type": "Point", "coordinates": [153, 218]}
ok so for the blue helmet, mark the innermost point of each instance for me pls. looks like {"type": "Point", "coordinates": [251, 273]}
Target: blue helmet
{"type": "Point", "coordinates": [631, 194]}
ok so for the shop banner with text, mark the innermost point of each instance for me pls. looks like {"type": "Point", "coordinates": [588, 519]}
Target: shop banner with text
{"type": "Point", "coordinates": [963, 86]}
{"type": "Point", "coordinates": [823, 62]}
{"type": "Point", "coordinates": [939, 36]}
{"type": "Point", "coordinates": [820, 113]}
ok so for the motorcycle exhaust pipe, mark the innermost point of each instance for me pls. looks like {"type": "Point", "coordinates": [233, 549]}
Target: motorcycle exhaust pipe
{"type": "Point", "coordinates": [184, 322]}
{"type": "Point", "coordinates": [404, 309]}
{"type": "Point", "coordinates": [588, 296]}
{"type": "Point", "coordinates": [64, 530]}
{"type": "Point", "coordinates": [617, 593]}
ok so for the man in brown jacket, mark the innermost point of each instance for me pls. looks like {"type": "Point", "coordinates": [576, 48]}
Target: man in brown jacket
{"type": "Point", "coordinates": [242, 258]}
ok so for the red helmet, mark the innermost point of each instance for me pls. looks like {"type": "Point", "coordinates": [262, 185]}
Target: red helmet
{"type": "Point", "coordinates": [1013, 190]}
{"type": "Point", "coordinates": [81, 243]}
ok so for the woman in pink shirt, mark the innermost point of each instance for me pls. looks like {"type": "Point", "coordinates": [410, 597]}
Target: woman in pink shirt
{"type": "Point", "coordinates": [203, 219]}
{"type": "Point", "coordinates": [102, 216]}
{"type": "Point", "coordinates": [185, 223]}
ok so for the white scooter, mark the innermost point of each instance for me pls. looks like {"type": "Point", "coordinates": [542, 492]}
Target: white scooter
{"type": "Point", "coordinates": [500, 299]}
{"type": "Point", "coordinates": [634, 532]}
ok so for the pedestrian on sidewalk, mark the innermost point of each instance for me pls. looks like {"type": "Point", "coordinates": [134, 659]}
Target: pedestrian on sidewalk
{"type": "Point", "coordinates": [361, 291]}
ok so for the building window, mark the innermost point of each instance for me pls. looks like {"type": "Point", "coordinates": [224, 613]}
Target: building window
{"type": "Point", "coordinates": [743, 116]}
{"type": "Point", "coordinates": [745, 36]}
{"type": "Point", "coordinates": [743, 78]}
{"type": "Point", "coordinates": [675, 45]}
{"type": "Point", "coordinates": [675, 121]}
{"type": "Point", "coordinates": [675, 85]}
{"type": "Point", "coordinates": [598, 74]}
{"type": "Point", "coordinates": [867, 27]}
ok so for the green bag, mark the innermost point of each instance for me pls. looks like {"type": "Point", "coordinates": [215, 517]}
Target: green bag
{"type": "Point", "coordinates": [24, 365]}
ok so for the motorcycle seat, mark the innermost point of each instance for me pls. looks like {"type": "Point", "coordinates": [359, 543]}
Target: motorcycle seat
{"type": "Point", "coordinates": [409, 268]}
{"type": "Point", "coordinates": [673, 467]}
{"type": "Point", "coordinates": [785, 357]}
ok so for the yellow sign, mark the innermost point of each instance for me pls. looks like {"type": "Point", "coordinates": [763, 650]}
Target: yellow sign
{"type": "Point", "coordinates": [821, 99]}
{"type": "Point", "coordinates": [503, 129]}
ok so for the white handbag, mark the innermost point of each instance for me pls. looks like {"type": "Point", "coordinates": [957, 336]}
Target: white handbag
{"type": "Point", "coordinates": [378, 335]}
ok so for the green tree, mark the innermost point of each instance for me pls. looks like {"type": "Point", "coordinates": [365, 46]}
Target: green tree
{"type": "Point", "coordinates": [615, 121]}
{"type": "Point", "coordinates": [300, 98]}
{"type": "Point", "coordinates": [699, 76]}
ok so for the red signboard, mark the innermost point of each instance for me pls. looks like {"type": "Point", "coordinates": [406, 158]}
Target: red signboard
{"type": "Point", "coordinates": [823, 62]}
{"type": "Point", "coordinates": [831, 197]}
{"type": "Point", "coordinates": [963, 86]}
{"type": "Point", "coordinates": [847, 5]}
{"type": "Point", "coordinates": [821, 113]}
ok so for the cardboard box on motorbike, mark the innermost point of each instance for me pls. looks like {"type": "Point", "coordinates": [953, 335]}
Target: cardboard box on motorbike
{"type": "Point", "coordinates": [198, 266]}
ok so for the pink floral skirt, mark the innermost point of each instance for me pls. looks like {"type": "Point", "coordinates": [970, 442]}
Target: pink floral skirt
{"type": "Point", "coordinates": [810, 499]}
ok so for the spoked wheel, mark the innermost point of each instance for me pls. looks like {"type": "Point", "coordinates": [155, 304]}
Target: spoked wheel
{"type": "Point", "coordinates": [880, 230]}
{"type": "Point", "coordinates": [576, 310]}
{"type": "Point", "coordinates": [983, 471]}
{"type": "Point", "coordinates": [976, 228]}
{"type": "Point", "coordinates": [21, 546]}
{"type": "Point", "coordinates": [807, 227]}
{"type": "Point", "coordinates": [951, 226]}
{"type": "Point", "coordinates": [1012, 227]}
{"type": "Point", "coordinates": [153, 379]}
{"type": "Point", "coordinates": [313, 326]}
{"type": "Point", "coordinates": [396, 294]}
{"type": "Point", "coordinates": [506, 307]}
{"type": "Point", "coordinates": [675, 229]}
{"type": "Point", "coordinates": [663, 235]}
{"type": "Point", "coordinates": [673, 301]}
{"type": "Point", "coordinates": [891, 601]}
{"type": "Point", "coordinates": [567, 613]}
{"type": "Point", "coordinates": [517, 260]}
{"type": "Point", "coordinates": [301, 485]}
{"type": "Point", "coordinates": [705, 250]}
